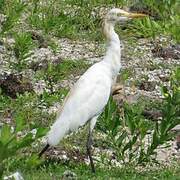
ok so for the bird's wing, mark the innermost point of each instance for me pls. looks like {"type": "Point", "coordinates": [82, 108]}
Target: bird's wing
{"type": "Point", "coordinates": [87, 98]}
{"type": "Point", "coordinates": [64, 102]}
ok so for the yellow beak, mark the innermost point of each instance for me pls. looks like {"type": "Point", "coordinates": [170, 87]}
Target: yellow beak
{"type": "Point", "coordinates": [135, 15]}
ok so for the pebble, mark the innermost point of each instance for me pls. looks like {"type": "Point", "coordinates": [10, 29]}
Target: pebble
{"type": "Point", "coordinates": [176, 128]}
{"type": "Point", "coordinates": [69, 175]}
{"type": "Point", "coordinates": [39, 87]}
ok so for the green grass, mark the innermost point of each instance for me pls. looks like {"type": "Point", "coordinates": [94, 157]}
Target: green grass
{"type": "Point", "coordinates": [74, 19]}
{"type": "Point", "coordinates": [33, 107]}
{"type": "Point", "coordinates": [83, 172]}
{"type": "Point", "coordinates": [69, 67]}
{"type": "Point", "coordinates": [81, 19]}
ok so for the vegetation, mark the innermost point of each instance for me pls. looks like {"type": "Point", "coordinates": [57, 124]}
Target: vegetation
{"type": "Point", "coordinates": [83, 172]}
{"type": "Point", "coordinates": [128, 130]}
{"type": "Point", "coordinates": [125, 127]}
{"type": "Point", "coordinates": [12, 140]}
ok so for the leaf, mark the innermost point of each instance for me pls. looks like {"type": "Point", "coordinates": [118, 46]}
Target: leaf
{"type": "Point", "coordinates": [121, 138]}
{"type": "Point", "coordinates": [24, 142]}
{"type": "Point", "coordinates": [1, 151]}
{"type": "Point", "coordinates": [5, 134]}
{"type": "Point", "coordinates": [41, 132]}
{"type": "Point", "coordinates": [130, 120]}
{"type": "Point", "coordinates": [129, 144]}
{"type": "Point", "coordinates": [155, 142]}
{"type": "Point", "coordinates": [164, 91]}
{"type": "Point", "coordinates": [19, 123]}
{"type": "Point", "coordinates": [33, 161]}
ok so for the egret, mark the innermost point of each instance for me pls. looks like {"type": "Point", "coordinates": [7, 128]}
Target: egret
{"type": "Point", "coordinates": [90, 94]}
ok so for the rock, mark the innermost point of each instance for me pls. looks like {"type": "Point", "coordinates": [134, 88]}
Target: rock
{"type": "Point", "coordinates": [172, 52]}
{"type": "Point", "coordinates": [178, 142]}
{"type": "Point", "coordinates": [164, 78]}
{"type": "Point", "coordinates": [116, 89]}
{"type": "Point", "coordinates": [152, 114]}
{"type": "Point", "coordinates": [2, 49]}
{"type": "Point", "coordinates": [176, 128]}
{"type": "Point", "coordinates": [147, 85]}
{"type": "Point", "coordinates": [9, 41]}
{"type": "Point", "coordinates": [69, 175]}
{"type": "Point", "coordinates": [41, 41]}
{"type": "Point", "coordinates": [80, 50]}
{"type": "Point", "coordinates": [16, 176]}
{"type": "Point", "coordinates": [11, 84]}
{"type": "Point", "coordinates": [2, 19]}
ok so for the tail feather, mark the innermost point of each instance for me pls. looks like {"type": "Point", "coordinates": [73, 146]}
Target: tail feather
{"type": "Point", "coordinates": [58, 130]}
{"type": "Point", "coordinates": [43, 150]}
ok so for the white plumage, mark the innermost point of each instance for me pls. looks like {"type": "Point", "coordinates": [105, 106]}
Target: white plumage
{"type": "Point", "coordinates": [86, 100]}
{"type": "Point", "coordinates": [90, 94]}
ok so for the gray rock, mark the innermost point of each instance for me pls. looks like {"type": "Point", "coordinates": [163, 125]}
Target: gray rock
{"type": "Point", "coordinates": [176, 128]}
{"type": "Point", "coordinates": [69, 175]}
{"type": "Point", "coordinates": [16, 176]}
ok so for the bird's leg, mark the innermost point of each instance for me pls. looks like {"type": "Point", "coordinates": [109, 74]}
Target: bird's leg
{"type": "Point", "coordinates": [89, 141]}
{"type": "Point", "coordinates": [88, 145]}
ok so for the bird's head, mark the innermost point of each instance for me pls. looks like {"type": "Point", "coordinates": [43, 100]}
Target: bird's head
{"type": "Point", "coordinates": [118, 15]}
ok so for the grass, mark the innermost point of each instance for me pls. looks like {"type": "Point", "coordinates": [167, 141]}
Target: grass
{"type": "Point", "coordinates": [69, 67]}
{"type": "Point", "coordinates": [31, 105]}
{"type": "Point", "coordinates": [77, 20]}
{"type": "Point", "coordinates": [83, 172]}
{"type": "Point", "coordinates": [81, 19]}
{"type": "Point", "coordinates": [30, 110]}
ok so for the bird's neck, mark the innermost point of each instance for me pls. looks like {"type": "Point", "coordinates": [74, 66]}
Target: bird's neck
{"type": "Point", "coordinates": [113, 53]}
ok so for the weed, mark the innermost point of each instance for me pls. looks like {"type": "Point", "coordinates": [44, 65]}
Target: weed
{"type": "Point", "coordinates": [170, 119]}
{"type": "Point", "coordinates": [127, 133]}
{"type": "Point", "coordinates": [13, 10]}
{"type": "Point", "coordinates": [2, 2]}
{"type": "Point", "coordinates": [167, 23]}
{"type": "Point", "coordinates": [14, 139]}
{"type": "Point", "coordinates": [125, 74]}
{"type": "Point", "coordinates": [23, 45]}
{"type": "Point", "coordinates": [83, 172]}
{"type": "Point", "coordinates": [67, 19]}
{"type": "Point", "coordinates": [146, 28]}
{"type": "Point", "coordinates": [54, 73]}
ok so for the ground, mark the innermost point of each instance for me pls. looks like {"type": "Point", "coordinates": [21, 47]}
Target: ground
{"type": "Point", "coordinates": [38, 69]}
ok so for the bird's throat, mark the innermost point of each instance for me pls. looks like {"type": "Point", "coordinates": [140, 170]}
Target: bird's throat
{"type": "Point", "coordinates": [109, 32]}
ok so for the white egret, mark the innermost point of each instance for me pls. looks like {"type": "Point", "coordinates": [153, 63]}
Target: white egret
{"type": "Point", "coordinates": [90, 94]}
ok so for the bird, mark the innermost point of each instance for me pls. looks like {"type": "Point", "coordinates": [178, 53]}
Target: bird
{"type": "Point", "coordinates": [90, 94]}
